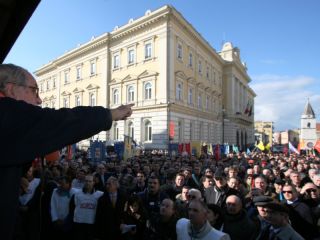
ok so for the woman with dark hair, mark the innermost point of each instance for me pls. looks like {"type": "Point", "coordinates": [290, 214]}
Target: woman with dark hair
{"type": "Point", "coordinates": [133, 219]}
{"type": "Point", "coordinates": [215, 216]}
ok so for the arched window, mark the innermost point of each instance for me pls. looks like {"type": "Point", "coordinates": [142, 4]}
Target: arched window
{"type": "Point", "coordinates": [130, 94]}
{"type": "Point", "coordinates": [92, 99]}
{"type": "Point", "coordinates": [147, 90]}
{"type": "Point", "coordinates": [147, 131]}
{"type": "Point", "coordinates": [116, 96]}
{"type": "Point", "coordinates": [180, 131]}
{"type": "Point", "coordinates": [77, 101]}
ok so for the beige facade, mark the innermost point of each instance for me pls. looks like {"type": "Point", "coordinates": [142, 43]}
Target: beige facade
{"type": "Point", "coordinates": [160, 63]}
{"type": "Point", "coordinates": [265, 129]}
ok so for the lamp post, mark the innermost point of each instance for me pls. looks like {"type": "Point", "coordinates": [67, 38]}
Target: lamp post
{"type": "Point", "coordinates": [223, 115]}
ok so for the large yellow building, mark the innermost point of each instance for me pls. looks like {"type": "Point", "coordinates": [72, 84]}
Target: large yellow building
{"type": "Point", "coordinates": [168, 70]}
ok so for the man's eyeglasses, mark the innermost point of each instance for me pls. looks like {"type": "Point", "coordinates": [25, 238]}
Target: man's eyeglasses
{"type": "Point", "coordinates": [34, 89]}
{"type": "Point", "coordinates": [290, 192]}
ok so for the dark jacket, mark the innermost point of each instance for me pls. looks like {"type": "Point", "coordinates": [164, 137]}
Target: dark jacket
{"type": "Point", "coordinates": [108, 218]}
{"type": "Point", "coordinates": [28, 132]}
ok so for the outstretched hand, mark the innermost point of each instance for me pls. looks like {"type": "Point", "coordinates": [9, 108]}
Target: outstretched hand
{"type": "Point", "coordinates": [122, 112]}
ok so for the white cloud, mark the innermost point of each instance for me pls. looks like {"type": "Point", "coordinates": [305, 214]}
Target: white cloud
{"type": "Point", "coordinates": [281, 99]}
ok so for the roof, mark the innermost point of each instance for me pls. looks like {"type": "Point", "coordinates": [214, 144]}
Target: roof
{"type": "Point", "coordinates": [14, 15]}
{"type": "Point", "coordinates": [308, 110]}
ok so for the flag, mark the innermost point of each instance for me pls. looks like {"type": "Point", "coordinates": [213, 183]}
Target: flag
{"type": "Point", "coordinates": [293, 149]}
{"type": "Point", "coordinates": [250, 111]}
{"type": "Point", "coordinates": [317, 146]}
{"type": "Point", "coordinates": [246, 111]}
{"type": "Point", "coordinates": [235, 148]}
{"type": "Point", "coordinates": [188, 149]}
{"type": "Point", "coordinates": [217, 152]}
{"type": "Point", "coordinates": [210, 151]}
{"type": "Point", "coordinates": [268, 147]}
{"type": "Point", "coordinates": [227, 149]}
{"type": "Point", "coordinates": [248, 151]}
{"type": "Point", "coordinates": [260, 146]}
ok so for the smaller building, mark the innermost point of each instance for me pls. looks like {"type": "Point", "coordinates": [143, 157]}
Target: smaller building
{"type": "Point", "coordinates": [264, 131]}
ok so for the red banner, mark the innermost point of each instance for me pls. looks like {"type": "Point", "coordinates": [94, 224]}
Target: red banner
{"type": "Point", "coordinates": [171, 130]}
{"type": "Point", "coordinates": [317, 146]}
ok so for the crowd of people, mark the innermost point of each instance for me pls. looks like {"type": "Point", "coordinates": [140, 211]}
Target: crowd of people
{"type": "Point", "coordinates": [256, 196]}
{"type": "Point", "coordinates": [153, 196]}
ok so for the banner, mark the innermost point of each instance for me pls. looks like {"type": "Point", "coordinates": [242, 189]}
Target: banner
{"type": "Point", "coordinates": [293, 149]}
{"type": "Point", "coordinates": [171, 130]}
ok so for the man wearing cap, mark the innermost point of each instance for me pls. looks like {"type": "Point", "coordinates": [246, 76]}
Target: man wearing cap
{"type": "Point", "coordinates": [277, 216]}
{"type": "Point", "coordinates": [260, 202]}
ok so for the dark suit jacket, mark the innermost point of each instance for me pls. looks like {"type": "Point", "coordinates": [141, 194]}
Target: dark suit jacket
{"type": "Point", "coordinates": [108, 218]}
{"type": "Point", "coordinates": [28, 132]}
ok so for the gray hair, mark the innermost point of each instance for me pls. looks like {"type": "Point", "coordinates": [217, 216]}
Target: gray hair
{"type": "Point", "coordinates": [11, 73]}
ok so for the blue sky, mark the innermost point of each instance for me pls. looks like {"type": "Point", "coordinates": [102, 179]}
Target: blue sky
{"type": "Point", "coordinates": [279, 41]}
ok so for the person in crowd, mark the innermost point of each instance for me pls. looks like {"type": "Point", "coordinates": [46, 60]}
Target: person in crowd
{"type": "Point", "coordinates": [182, 201]}
{"type": "Point", "coordinates": [133, 219]}
{"type": "Point", "coordinates": [299, 213]}
{"type": "Point", "coordinates": [173, 189]}
{"type": "Point", "coordinates": [29, 211]}
{"type": "Point", "coordinates": [277, 215]}
{"type": "Point", "coordinates": [162, 226]}
{"type": "Point", "coordinates": [261, 183]}
{"type": "Point", "coordinates": [215, 216]}
{"type": "Point", "coordinates": [79, 181]}
{"type": "Point", "coordinates": [152, 196]}
{"type": "Point", "coordinates": [109, 210]}
{"type": "Point", "coordinates": [60, 209]}
{"type": "Point", "coordinates": [295, 180]}
{"type": "Point", "coordinates": [236, 220]}
{"type": "Point", "coordinates": [260, 218]}
{"type": "Point", "coordinates": [218, 193]}
{"type": "Point", "coordinates": [198, 226]}
{"type": "Point", "coordinates": [84, 204]}
{"type": "Point", "coordinates": [140, 182]}
{"type": "Point", "coordinates": [44, 130]}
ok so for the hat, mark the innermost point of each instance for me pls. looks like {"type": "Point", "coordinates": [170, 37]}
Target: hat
{"type": "Point", "coordinates": [262, 200]}
{"type": "Point", "coordinates": [277, 207]}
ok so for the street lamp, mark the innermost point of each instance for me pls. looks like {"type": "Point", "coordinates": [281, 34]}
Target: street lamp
{"type": "Point", "coordinates": [223, 115]}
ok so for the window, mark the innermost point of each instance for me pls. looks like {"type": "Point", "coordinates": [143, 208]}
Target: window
{"type": "Point", "coordinates": [53, 103]}
{"type": "Point", "coordinates": [78, 77]}
{"type": "Point", "coordinates": [147, 91]}
{"type": "Point", "coordinates": [179, 51]}
{"type": "Point", "coordinates": [92, 99]}
{"type": "Point", "coordinates": [130, 94]}
{"type": "Point", "coordinates": [41, 87]}
{"type": "Point", "coordinates": [54, 83]}
{"type": "Point", "coordinates": [179, 91]}
{"type": "Point", "coordinates": [66, 77]}
{"type": "Point", "coordinates": [147, 51]}
{"type": "Point", "coordinates": [93, 67]}
{"type": "Point", "coordinates": [131, 130]}
{"type": "Point", "coordinates": [199, 101]}
{"type": "Point", "coordinates": [116, 132]}
{"type": "Point", "coordinates": [116, 96]}
{"type": "Point", "coordinates": [131, 56]}
{"type": "Point", "coordinates": [148, 131]}
{"type": "Point", "coordinates": [48, 85]}
{"type": "Point", "coordinates": [200, 130]}
{"type": "Point", "coordinates": [207, 73]}
{"type": "Point", "coordinates": [200, 67]}
{"type": "Point", "coordinates": [190, 96]}
{"type": "Point", "coordinates": [65, 102]}
{"type": "Point", "coordinates": [116, 61]}
{"type": "Point", "coordinates": [190, 59]}
{"type": "Point", "coordinates": [77, 101]}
